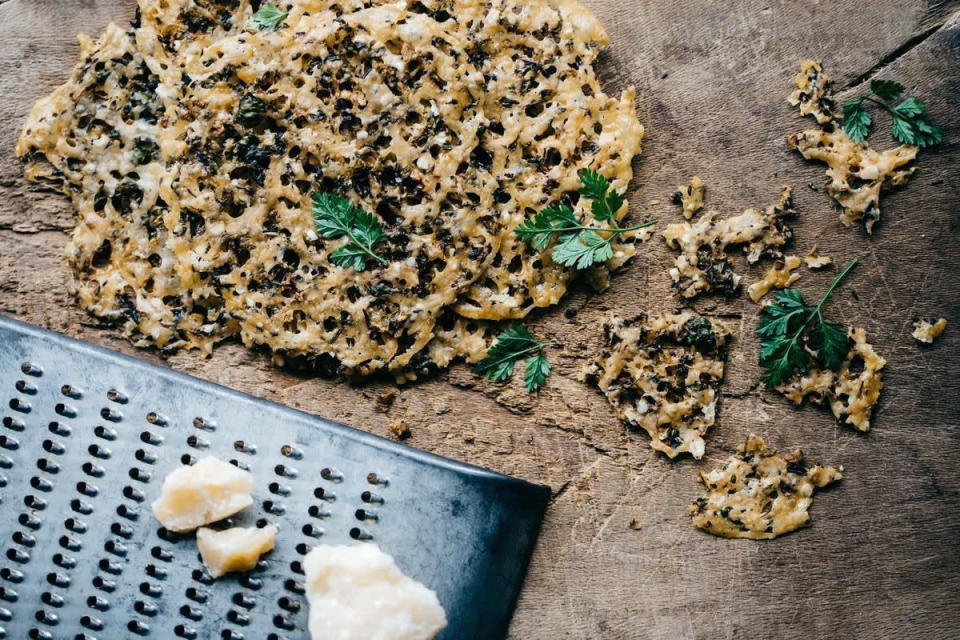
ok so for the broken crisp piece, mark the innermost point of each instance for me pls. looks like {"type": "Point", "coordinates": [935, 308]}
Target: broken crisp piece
{"type": "Point", "coordinates": [852, 391]}
{"type": "Point", "coordinates": [813, 95]}
{"type": "Point", "coordinates": [856, 174]}
{"type": "Point", "coordinates": [399, 429]}
{"type": "Point", "coordinates": [661, 375]}
{"type": "Point", "coordinates": [234, 549]}
{"type": "Point", "coordinates": [703, 265]}
{"type": "Point", "coordinates": [926, 331]}
{"type": "Point", "coordinates": [815, 261]}
{"type": "Point", "coordinates": [780, 276]}
{"type": "Point", "coordinates": [759, 494]}
{"type": "Point", "coordinates": [691, 197]}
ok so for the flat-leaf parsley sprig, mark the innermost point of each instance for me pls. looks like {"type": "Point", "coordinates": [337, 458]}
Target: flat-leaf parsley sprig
{"type": "Point", "coordinates": [336, 217]}
{"type": "Point", "coordinates": [909, 124]}
{"type": "Point", "coordinates": [579, 245]}
{"type": "Point", "coordinates": [794, 336]}
{"type": "Point", "coordinates": [512, 345]}
{"type": "Point", "coordinates": [268, 17]}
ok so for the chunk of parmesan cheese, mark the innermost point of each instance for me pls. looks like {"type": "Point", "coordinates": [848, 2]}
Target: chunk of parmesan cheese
{"type": "Point", "coordinates": [235, 549]}
{"type": "Point", "coordinates": [759, 494]}
{"type": "Point", "coordinates": [205, 492]}
{"type": "Point", "coordinates": [927, 331]}
{"type": "Point", "coordinates": [359, 593]}
{"type": "Point", "coordinates": [691, 197]}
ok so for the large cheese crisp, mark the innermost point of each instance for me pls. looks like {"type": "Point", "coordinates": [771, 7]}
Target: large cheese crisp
{"type": "Point", "coordinates": [191, 142]}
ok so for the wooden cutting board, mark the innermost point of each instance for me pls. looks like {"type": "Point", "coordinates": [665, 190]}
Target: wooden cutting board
{"type": "Point", "coordinates": [882, 559]}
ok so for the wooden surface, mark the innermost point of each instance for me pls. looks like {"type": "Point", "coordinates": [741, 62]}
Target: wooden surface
{"type": "Point", "coordinates": [882, 559]}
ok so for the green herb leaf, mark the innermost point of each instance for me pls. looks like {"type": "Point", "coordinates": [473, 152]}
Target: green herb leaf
{"type": "Point", "coordinates": [512, 345]}
{"type": "Point", "coordinates": [535, 372]}
{"type": "Point", "coordinates": [336, 217]}
{"type": "Point", "coordinates": [908, 125]}
{"type": "Point", "coordinates": [539, 231]}
{"type": "Point", "coordinates": [268, 17]}
{"type": "Point", "coordinates": [886, 89]}
{"type": "Point", "coordinates": [856, 122]}
{"type": "Point", "coordinates": [578, 245]}
{"type": "Point", "coordinates": [794, 336]}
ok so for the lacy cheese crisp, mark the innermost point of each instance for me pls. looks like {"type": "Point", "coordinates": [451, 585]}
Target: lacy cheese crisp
{"type": "Point", "coordinates": [190, 145]}
{"type": "Point", "coordinates": [759, 494]}
{"type": "Point", "coordinates": [661, 374]}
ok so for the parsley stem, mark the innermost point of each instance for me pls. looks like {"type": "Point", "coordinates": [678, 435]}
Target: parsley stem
{"type": "Point", "coordinates": [815, 313]}
{"type": "Point", "coordinates": [882, 104]}
{"type": "Point", "coordinates": [363, 247]}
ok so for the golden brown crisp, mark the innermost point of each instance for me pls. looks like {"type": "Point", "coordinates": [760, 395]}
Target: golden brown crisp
{"type": "Point", "coordinates": [759, 494]}
{"type": "Point", "coordinates": [926, 331]}
{"type": "Point", "coordinates": [780, 276]}
{"type": "Point", "coordinates": [691, 197]}
{"type": "Point", "coordinates": [661, 374]}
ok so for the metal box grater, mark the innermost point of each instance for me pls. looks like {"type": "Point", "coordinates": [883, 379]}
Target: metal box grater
{"type": "Point", "coordinates": [88, 436]}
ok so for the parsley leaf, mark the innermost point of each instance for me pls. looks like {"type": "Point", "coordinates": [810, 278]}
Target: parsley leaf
{"type": "Point", "coordinates": [886, 89]}
{"type": "Point", "coordinates": [793, 336]}
{"type": "Point", "coordinates": [908, 125]}
{"type": "Point", "coordinates": [578, 245]}
{"type": "Point", "coordinates": [336, 217]}
{"type": "Point", "coordinates": [512, 345]}
{"type": "Point", "coordinates": [268, 17]}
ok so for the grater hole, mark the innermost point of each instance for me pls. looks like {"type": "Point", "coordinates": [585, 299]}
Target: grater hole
{"type": "Point", "coordinates": [5, 614]}
{"type": "Point", "coordinates": [303, 549]}
{"type": "Point", "coordinates": [201, 577]}
{"type": "Point", "coordinates": [158, 573]}
{"type": "Point", "coordinates": [145, 456]}
{"type": "Point", "coordinates": [312, 531]}
{"type": "Point", "coordinates": [11, 575]}
{"type": "Point", "coordinates": [276, 508]}
{"type": "Point", "coordinates": [117, 396]}
{"type": "Point", "coordinates": [243, 600]}
{"type": "Point", "coordinates": [162, 554]}
{"type": "Point", "coordinates": [51, 600]}
{"type": "Point", "coordinates": [39, 634]}
{"type": "Point", "coordinates": [359, 534]}
{"type": "Point", "coordinates": [285, 471]}
{"type": "Point", "coordinates": [316, 512]}
{"type": "Point", "coordinates": [25, 387]}
{"type": "Point", "coordinates": [9, 443]}
{"type": "Point", "coordinates": [5, 462]}
{"type": "Point", "coordinates": [288, 451]}
{"type": "Point", "coordinates": [282, 622]}
{"type": "Point", "coordinates": [81, 507]}
{"type": "Point", "coordinates": [87, 489]}
{"type": "Point", "coordinates": [105, 432]}
{"type": "Point", "coordinates": [138, 627]}
{"type": "Point", "coordinates": [97, 451]}
{"type": "Point", "coordinates": [29, 521]}
{"type": "Point", "coordinates": [104, 584]}
{"type": "Point", "coordinates": [24, 539]}
{"type": "Point", "coordinates": [109, 414]}
{"type": "Point", "coordinates": [297, 567]}
{"type": "Point", "coordinates": [289, 604]}
{"type": "Point", "coordinates": [170, 536]}
{"type": "Point", "coordinates": [13, 424]}
{"type": "Point", "coordinates": [323, 494]}
{"type": "Point", "coordinates": [248, 581]}
{"type": "Point", "coordinates": [139, 475]}
{"type": "Point", "coordinates": [71, 391]}
{"type": "Point", "coordinates": [330, 475]}
{"type": "Point", "coordinates": [19, 405]}
{"type": "Point", "coordinates": [187, 459]}
{"type": "Point", "coordinates": [31, 369]}
{"type": "Point", "coordinates": [152, 590]}
{"type": "Point", "coordinates": [130, 513]}
{"type": "Point", "coordinates": [206, 425]}
{"type": "Point", "coordinates": [197, 595]}
{"type": "Point", "coordinates": [158, 419]}
{"type": "Point", "coordinates": [183, 631]}
{"type": "Point", "coordinates": [8, 594]}
{"type": "Point", "coordinates": [60, 429]}
{"type": "Point", "coordinates": [47, 617]}
{"type": "Point", "coordinates": [244, 447]}
{"type": "Point", "coordinates": [16, 555]}
{"type": "Point", "coordinates": [58, 580]}
{"type": "Point", "coordinates": [198, 443]}
{"type": "Point", "coordinates": [48, 465]}
{"type": "Point", "coordinates": [93, 470]}
{"type": "Point", "coordinates": [279, 489]}
{"type": "Point", "coordinates": [94, 624]}
{"type": "Point", "coordinates": [116, 548]}
{"type": "Point", "coordinates": [65, 410]}
{"type": "Point", "coordinates": [3, 481]}
{"type": "Point", "coordinates": [371, 498]}
{"type": "Point", "coordinates": [70, 544]}
{"type": "Point", "coordinates": [109, 566]}
{"type": "Point", "coordinates": [35, 503]}
{"type": "Point", "coordinates": [191, 613]}
{"type": "Point", "coordinates": [239, 464]}
{"type": "Point", "coordinates": [150, 438]}
{"type": "Point", "coordinates": [54, 447]}
{"type": "Point", "coordinates": [145, 608]}
{"type": "Point", "coordinates": [238, 618]}
{"type": "Point", "coordinates": [75, 525]}
{"type": "Point", "coordinates": [131, 493]}
{"type": "Point", "coordinates": [98, 603]}
{"type": "Point", "coordinates": [227, 634]}
{"type": "Point", "coordinates": [374, 478]}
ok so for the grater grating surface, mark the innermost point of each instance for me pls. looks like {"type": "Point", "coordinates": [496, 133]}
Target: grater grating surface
{"type": "Point", "coordinates": [88, 436]}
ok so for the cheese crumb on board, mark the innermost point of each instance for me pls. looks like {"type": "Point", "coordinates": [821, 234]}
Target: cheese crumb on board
{"type": "Point", "coordinates": [926, 331]}
{"type": "Point", "coordinates": [780, 276]}
{"type": "Point", "coordinates": [851, 392]}
{"type": "Point", "coordinates": [813, 95]}
{"type": "Point", "coordinates": [759, 494]}
{"type": "Point", "coordinates": [359, 593]}
{"type": "Point", "coordinates": [815, 261]}
{"type": "Point", "coordinates": [856, 174]}
{"type": "Point", "coordinates": [661, 374]}
{"type": "Point", "coordinates": [202, 493]}
{"type": "Point", "coordinates": [399, 429]}
{"type": "Point", "coordinates": [691, 197]}
{"type": "Point", "coordinates": [703, 265]}
{"type": "Point", "coordinates": [234, 549]}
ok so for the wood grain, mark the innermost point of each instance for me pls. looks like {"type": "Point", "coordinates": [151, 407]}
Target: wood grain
{"type": "Point", "coordinates": [882, 559]}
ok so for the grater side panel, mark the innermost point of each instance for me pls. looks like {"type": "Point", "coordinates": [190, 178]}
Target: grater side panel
{"type": "Point", "coordinates": [84, 557]}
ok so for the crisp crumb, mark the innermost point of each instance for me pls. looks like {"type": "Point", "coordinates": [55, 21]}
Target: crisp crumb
{"type": "Point", "coordinates": [926, 331]}
{"type": "Point", "coordinates": [399, 429]}
{"type": "Point", "coordinates": [634, 525]}
{"type": "Point", "coordinates": [386, 399]}
{"type": "Point", "coordinates": [815, 261]}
